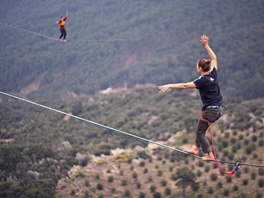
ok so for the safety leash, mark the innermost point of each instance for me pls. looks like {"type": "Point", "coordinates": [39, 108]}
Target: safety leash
{"type": "Point", "coordinates": [236, 168]}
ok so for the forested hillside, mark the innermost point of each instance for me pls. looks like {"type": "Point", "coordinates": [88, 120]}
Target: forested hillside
{"type": "Point", "coordinates": [113, 42]}
{"type": "Point", "coordinates": [38, 147]}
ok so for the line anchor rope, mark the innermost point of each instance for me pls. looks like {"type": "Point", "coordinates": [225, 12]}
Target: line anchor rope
{"type": "Point", "coordinates": [237, 164]}
{"type": "Point", "coordinates": [28, 31]}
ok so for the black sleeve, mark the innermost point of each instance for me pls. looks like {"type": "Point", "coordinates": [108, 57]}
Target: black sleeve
{"type": "Point", "coordinates": [199, 82]}
{"type": "Point", "coordinates": [213, 73]}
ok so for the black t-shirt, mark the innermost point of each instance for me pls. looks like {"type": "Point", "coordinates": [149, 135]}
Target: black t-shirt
{"type": "Point", "coordinates": [209, 89]}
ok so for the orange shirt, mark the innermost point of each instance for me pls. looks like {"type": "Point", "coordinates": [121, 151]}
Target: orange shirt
{"type": "Point", "coordinates": [62, 24]}
{"type": "Point", "coordinates": [62, 21]}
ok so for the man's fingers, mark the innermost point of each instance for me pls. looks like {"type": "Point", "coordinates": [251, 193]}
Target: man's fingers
{"type": "Point", "coordinates": [162, 88]}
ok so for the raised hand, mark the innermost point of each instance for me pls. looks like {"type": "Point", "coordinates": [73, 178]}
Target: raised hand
{"type": "Point", "coordinates": [204, 40]}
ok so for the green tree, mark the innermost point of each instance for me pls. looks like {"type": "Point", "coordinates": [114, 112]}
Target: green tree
{"type": "Point", "coordinates": [184, 178]}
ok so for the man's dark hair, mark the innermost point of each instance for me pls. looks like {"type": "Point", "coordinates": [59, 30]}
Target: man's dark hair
{"type": "Point", "coordinates": [204, 64]}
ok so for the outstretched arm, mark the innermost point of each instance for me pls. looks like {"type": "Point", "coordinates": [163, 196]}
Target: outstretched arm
{"type": "Point", "coordinates": [205, 42]}
{"type": "Point", "coordinates": [188, 85]}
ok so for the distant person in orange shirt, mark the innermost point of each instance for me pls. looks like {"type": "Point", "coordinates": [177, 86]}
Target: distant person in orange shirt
{"type": "Point", "coordinates": [61, 23]}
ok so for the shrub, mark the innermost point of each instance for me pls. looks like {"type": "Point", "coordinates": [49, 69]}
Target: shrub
{"type": "Point", "coordinates": [224, 143]}
{"type": "Point", "coordinates": [241, 137]}
{"type": "Point", "coordinates": [214, 165]}
{"type": "Point", "coordinates": [200, 163]}
{"type": "Point", "coordinates": [152, 188]}
{"type": "Point", "coordinates": [195, 186]}
{"type": "Point", "coordinates": [246, 141]}
{"type": "Point", "coordinates": [261, 171]}
{"type": "Point", "coordinates": [184, 140]}
{"type": "Point", "coordinates": [129, 161]}
{"type": "Point", "coordinates": [163, 182]}
{"type": "Point", "coordinates": [171, 169]}
{"type": "Point", "coordinates": [121, 172]}
{"type": "Point", "coordinates": [113, 190]}
{"type": "Point", "coordinates": [235, 188]}
{"type": "Point", "coordinates": [254, 138]}
{"type": "Point", "coordinates": [127, 193]}
{"type": "Point", "coordinates": [138, 185]}
{"type": "Point", "coordinates": [255, 155]}
{"type": "Point", "coordinates": [207, 168]}
{"type": "Point", "coordinates": [143, 155]}
{"type": "Point", "coordinates": [199, 196]}
{"type": "Point", "coordinates": [100, 186]}
{"type": "Point", "coordinates": [73, 192]}
{"type": "Point", "coordinates": [249, 150]}
{"type": "Point", "coordinates": [97, 176]}
{"type": "Point", "coordinates": [199, 173]}
{"type": "Point", "coordinates": [259, 195]}
{"type": "Point", "coordinates": [86, 183]}
{"type": "Point", "coordinates": [261, 183]}
{"type": "Point", "coordinates": [159, 174]}
{"type": "Point", "coordinates": [233, 140]}
{"type": "Point", "coordinates": [228, 179]}
{"type": "Point", "coordinates": [86, 194]}
{"type": "Point", "coordinates": [231, 156]}
{"type": "Point", "coordinates": [142, 164]}
{"type": "Point", "coordinates": [124, 182]}
{"type": "Point", "coordinates": [167, 191]}
{"type": "Point", "coordinates": [234, 148]}
{"type": "Point", "coordinates": [225, 153]}
{"type": "Point", "coordinates": [134, 175]}
{"type": "Point", "coordinates": [226, 192]}
{"type": "Point", "coordinates": [245, 182]}
{"type": "Point", "coordinates": [141, 195]}
{"type": "Point", "coordinates": [110, 179]}
{"type": "Point", "coordinates": [261, 143]}
{"type": "Point", "coordinates": [213, 176]}
{"type": "Point", "coordinates": [166, 155]}
{"type": "Point", "coordinates": [145, 170]}
{"type": "Point", "coordinates": [210, 190]}
{"type": "Point", "coordinates": [219, 185]}
{"type": "Point", "coordinates": [253, 176]}
{"type": "Point", "coordinates": [157, 195]}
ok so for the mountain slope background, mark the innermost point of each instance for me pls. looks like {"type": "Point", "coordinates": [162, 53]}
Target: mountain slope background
{"type": "Point", "coordinates": [131, 46]}
{"type": "Point", "coordinates": [116, 43]}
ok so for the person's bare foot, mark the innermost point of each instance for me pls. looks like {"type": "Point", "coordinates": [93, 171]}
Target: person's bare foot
{"type": "Point", "coordinates": [193, 150]}
{"type": "Point", "coordinates": [209, 157]}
